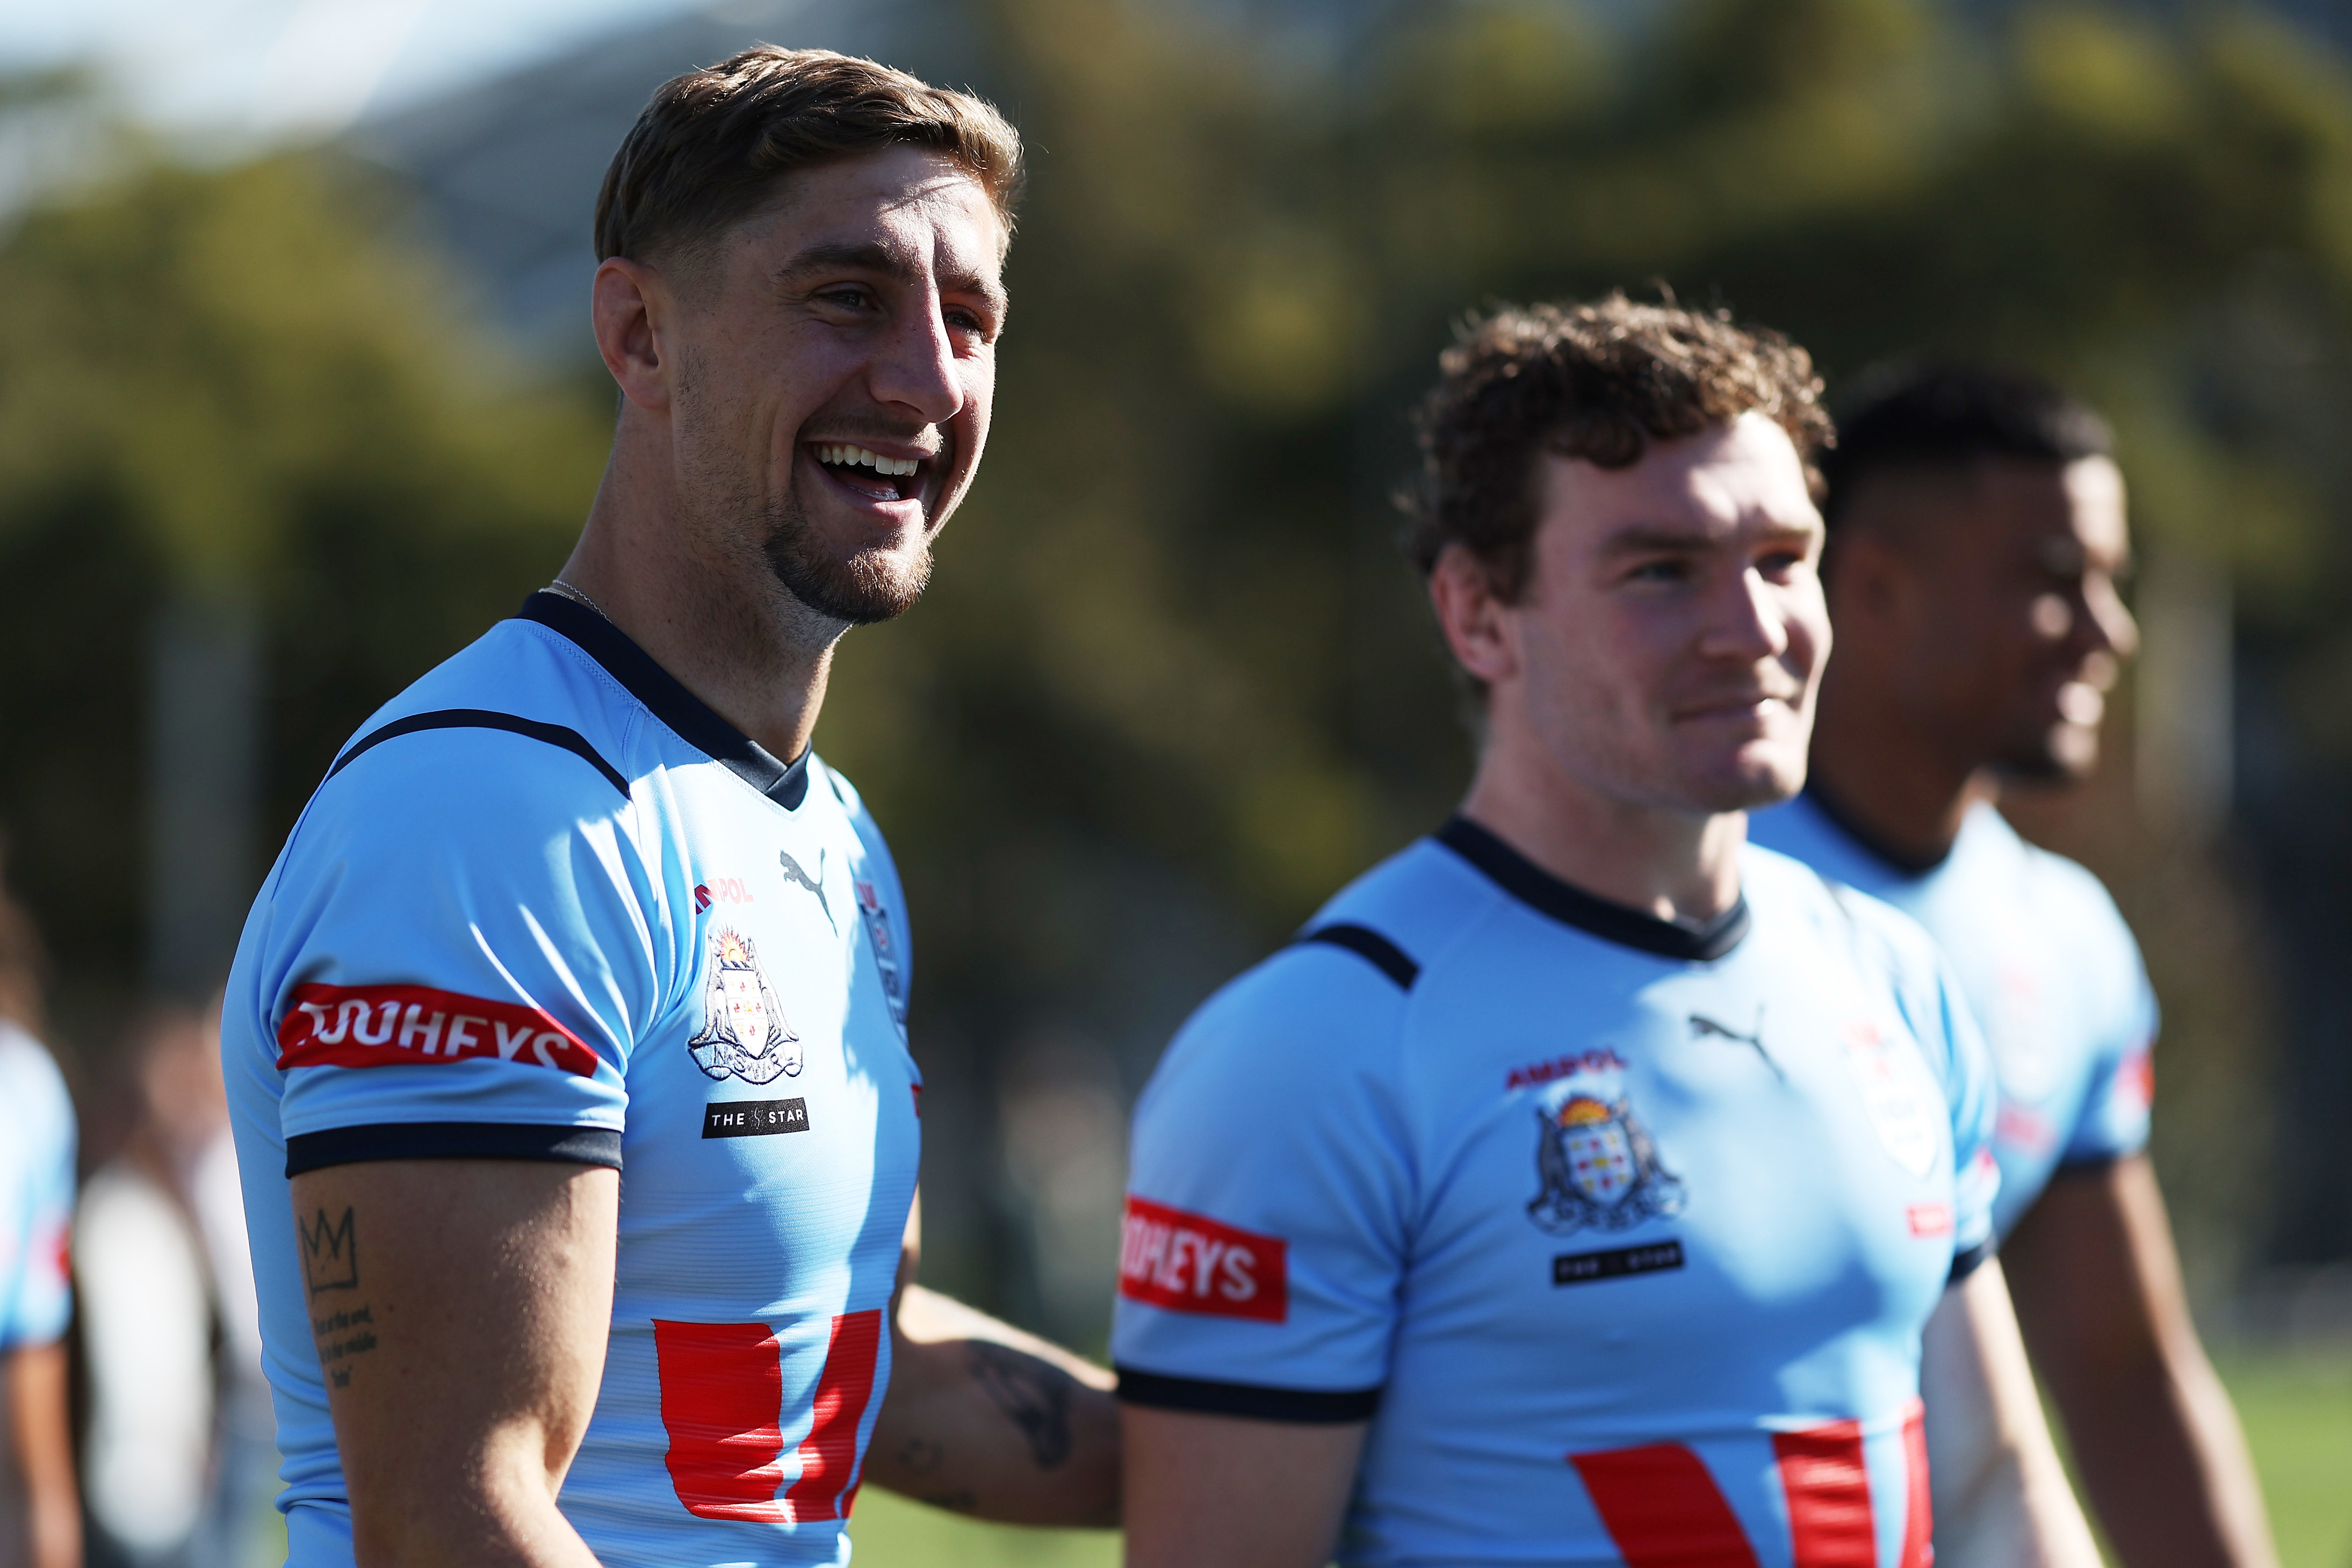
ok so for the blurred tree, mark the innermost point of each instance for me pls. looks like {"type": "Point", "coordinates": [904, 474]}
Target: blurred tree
{"type": "Point", "coordinates": [235, 387]}
{"type": "Point", "coordinates": [1171, 662]}
{"type": "Point", "coordinates": [1172, 685]}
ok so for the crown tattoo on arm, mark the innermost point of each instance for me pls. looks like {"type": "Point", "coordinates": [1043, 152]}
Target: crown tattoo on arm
{"type": "Point", "coordinates": [330, 1252]}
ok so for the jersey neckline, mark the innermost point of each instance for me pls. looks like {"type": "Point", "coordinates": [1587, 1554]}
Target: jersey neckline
{"type": "Point", "coordinates": [1571, 906]}
{"type": "Point", "coordinates": [667, 698]}
{"type": "Point", "coordinates": [1894, 860]}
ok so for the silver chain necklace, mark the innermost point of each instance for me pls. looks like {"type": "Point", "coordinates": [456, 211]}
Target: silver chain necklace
{"type": "Point", "coordinates": [568, 591]}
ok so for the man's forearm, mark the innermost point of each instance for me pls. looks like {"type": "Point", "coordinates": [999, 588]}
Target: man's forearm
{"type": "Point", "coordinates": [2165, 1467]}
{"type": "Point", "coordinates": [989, 1421]}
{"type": "Point", "coordinates": [34, 1400]}
{"type": "Point", "coordinates": [2155, 1442]}
{"type": "Point", "coordinates": [2000, 1498]}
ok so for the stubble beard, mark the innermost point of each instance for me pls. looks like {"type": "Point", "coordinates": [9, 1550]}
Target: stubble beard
{"type": "Point", "coordinates": [862, 589]}
{"type": "Point", "coordinates": [2061, 754]}
{"type": "Point", "coordinates": [869, 586]}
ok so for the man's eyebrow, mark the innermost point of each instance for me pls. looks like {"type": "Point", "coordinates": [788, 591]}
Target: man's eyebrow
{"type": "Point", "coordinates": [1654, 538]}
{"type": "Point", "coordinates": [1651, 539]}
{"type": "Point", "coordinates": [866, 257]}
{"type": "Point", "coordinates": [869, 256]}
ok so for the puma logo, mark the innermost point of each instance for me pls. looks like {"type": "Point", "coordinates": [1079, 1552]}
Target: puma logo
{"type": "Point", "coordinates": [1702, 1025]}
{"type": "Point", "coordinates": [815, 884]}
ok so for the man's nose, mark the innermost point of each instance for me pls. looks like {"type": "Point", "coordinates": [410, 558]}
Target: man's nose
{"type": "Point", "coordinates": [917, 368]}
{"type": "Point", "coordinates": [2109, 617]}
{"type": "Point", "coordinates": [1749, 622]}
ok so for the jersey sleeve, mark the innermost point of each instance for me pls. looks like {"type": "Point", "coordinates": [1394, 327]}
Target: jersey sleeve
{"type": "Point", "coordinates": [1269, 1200]}
{"type": "Point", "coordinates": [1933, 1005]}
{"type": "Point", "coordinates": [464, 942]}
{"type": "Point", "coordinates": [36, 1303]}
{"type": "Point", "coordinates": [2114, 1121]}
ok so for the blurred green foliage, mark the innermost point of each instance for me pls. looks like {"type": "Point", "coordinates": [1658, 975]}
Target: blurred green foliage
{"type": "Point", "coordinates": [235, 383]}
{"type": "Point", "coordinates": [1171, 655]}
{"type": "Point", "coordinates": [1172, 686]}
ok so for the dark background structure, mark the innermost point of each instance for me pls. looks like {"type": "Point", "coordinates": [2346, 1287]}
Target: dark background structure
{"type": "Point", "coordinates": [277, 435]}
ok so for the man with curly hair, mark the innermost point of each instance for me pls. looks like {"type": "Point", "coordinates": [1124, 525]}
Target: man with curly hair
{"type": "Point", "coordinates": [1584, 1185]}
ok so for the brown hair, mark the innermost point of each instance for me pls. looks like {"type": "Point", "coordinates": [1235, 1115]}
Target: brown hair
{"type": "Point", "coordinates": [1599, 381]}
{"type": "Point", "coordinates": [711, 145]}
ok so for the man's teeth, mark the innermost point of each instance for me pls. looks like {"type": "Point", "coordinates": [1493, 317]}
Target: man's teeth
{"type": "Point", "coordinates": [857, 456]}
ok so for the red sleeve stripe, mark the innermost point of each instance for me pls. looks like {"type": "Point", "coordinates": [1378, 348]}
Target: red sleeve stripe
{"type": "Point", "coordinates": [386, 1026]}
{"type": "Point", "coordinates": [1182, 1262]}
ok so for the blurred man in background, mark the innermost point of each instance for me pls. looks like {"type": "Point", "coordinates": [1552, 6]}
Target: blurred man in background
{"type": "Point", "coordinates": [1977, 534]}
{"type": "Point", "coordinates": [40, 1517]}
{"type": "Point", "coordinates": [1587, 1185]}
{"type": "Point", "coordinates": [583, 893]}
{"type": "Point", "coordinates": [177, 1455]}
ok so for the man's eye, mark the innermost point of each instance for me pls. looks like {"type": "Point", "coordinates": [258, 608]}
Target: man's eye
{"type": "Point", "coordinates": [1780, 563]}
{"type": "Point", "coordinates": [846, 298]}
{"type": "Point", "coordinates": [1660, 571]}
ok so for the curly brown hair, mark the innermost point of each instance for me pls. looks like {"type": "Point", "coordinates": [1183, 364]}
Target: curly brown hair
{"type": "Point", "coordinates": [1599, 381]}
{"type": "Point", "coordinates": [712, 144]}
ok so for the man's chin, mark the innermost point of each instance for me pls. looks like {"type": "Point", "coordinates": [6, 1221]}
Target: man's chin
{"type": "Point", "coordinates": [1750, 784]}
{"type": "Point", "coordinates": [864, 589]}
{"type": "Point", "coordinates": [2063, 754]}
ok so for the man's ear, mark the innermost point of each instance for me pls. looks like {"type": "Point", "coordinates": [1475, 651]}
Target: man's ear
{"type": "Point", "coordinates": [1476, 624]}
{"type": "Point", "coordinates": [1872, 586]}
{"type": "Point", "coordinates": [631, 310]}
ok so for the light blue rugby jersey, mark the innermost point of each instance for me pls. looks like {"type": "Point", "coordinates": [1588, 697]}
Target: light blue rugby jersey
{"type": "Point", "coordinates": [550, 906]}
{"type": "Point", "coordinates": [1622, 1233]}
{"type": "Point", "coordinates": [2049, 970]}
{"type": "Point", "coordinates": [37, 1195]}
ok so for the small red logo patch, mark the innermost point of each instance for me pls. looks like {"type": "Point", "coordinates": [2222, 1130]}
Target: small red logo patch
{"type": "Point", "coordinates": [1186, 1263]}
{"type": "Point", "coordinates": [2138, 1078]}
{"type": "Point", "coordinates": [2024, 1129]}
{"type": "Point", "coordinates": [382, 1025]}
{"type": "Point", "coordinates": [1930, 1219]}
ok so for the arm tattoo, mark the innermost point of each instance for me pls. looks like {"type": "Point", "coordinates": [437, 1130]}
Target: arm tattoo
{"type": "Point", "coordinates": [1036, 1394]}
{"type": "Point", "coordinates": [330, 1252]}
{"type": "Point", "coordinates": [330, 1263]}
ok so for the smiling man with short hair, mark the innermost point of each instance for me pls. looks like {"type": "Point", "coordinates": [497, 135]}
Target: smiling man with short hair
{"type": "Point", "coordinates": [583, 901]}
{"type": "Point", "coordinates": [1583, 1186]}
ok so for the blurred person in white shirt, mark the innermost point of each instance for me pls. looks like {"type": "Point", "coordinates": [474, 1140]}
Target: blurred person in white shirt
{"type": "Point", "coordinates": [178, 1454]}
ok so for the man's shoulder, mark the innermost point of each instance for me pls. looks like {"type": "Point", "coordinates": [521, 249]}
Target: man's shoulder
{"type": "Point", "coordinates": [31, 1081]}
{"type": "Point", "coordinates": [521, 694]}
{"type": "Point", "coordinates": [1338, 992]}
{"type": "Point", "coordinates": [518, 736]}
{"type": "Point", "coordinates": [1787, 895]}
{"type": "Point", "coordinates": [1420, 902]}
{"type": "Point", "coordinates": [2071, 893]}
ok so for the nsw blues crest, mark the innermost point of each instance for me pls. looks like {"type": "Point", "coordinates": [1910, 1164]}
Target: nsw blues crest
{"type": "Point", "coordinates": [744, 1032]}
{"type": "Point", "coordinates": [1599, 1169]}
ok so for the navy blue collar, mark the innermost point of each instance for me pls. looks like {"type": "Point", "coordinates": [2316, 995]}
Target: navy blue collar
{"type": "Point", "coordinates": [1896, 861]}
{"type": "Point", "coordinates": [668, 700]}
{"type": "Point", "coordinates": [1571, 906]}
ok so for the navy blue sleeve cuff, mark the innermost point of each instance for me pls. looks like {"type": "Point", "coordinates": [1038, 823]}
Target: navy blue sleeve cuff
{"type": "Point", "coordinates": [1966, 1263]}
{"type": "Point", "coordinates": [2091, 1164]}
{"type": "Point", "coordinates": [451, 1141]}
{"type": "Point", "coordinates": [1259, 1403]}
